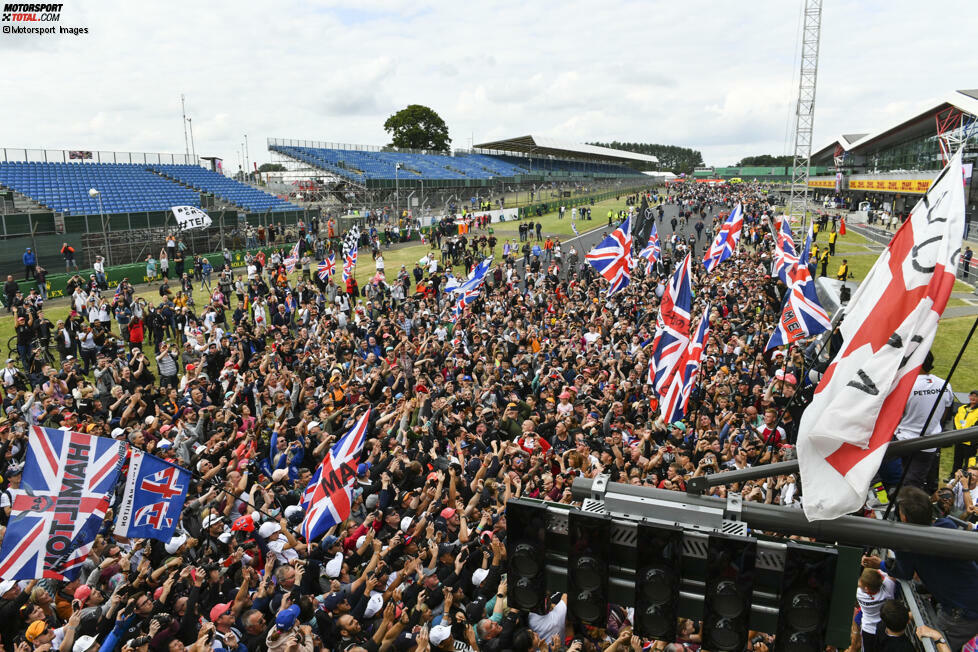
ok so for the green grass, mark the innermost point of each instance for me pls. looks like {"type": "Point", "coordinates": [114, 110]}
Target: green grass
{"type": "Point", "coordinates": [56, 309]}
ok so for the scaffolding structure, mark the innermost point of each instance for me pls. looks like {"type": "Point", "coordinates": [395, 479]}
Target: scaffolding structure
{"type": "Point", "coordinates": [805, 113]}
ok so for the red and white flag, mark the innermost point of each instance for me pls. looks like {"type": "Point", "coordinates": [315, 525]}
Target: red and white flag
{"type": "Point", "coordinates": [888, 329]}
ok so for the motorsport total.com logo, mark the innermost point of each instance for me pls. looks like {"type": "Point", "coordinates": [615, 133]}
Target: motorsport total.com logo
{"type": "Point", "coordinates": [35, 13]}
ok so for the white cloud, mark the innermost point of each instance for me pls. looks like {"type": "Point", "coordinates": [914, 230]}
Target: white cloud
{"type": "Point", "coordinates": [715, 76]}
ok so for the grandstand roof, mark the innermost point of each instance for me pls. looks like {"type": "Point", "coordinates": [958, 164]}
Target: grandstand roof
{"type": "Point", "coordinates": [540, 145]}
{"type": "Point", "coordinates": [920, 122]}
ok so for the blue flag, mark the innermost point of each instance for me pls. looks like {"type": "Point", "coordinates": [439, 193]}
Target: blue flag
{"type": "Point", "coordinates": [154, 497]}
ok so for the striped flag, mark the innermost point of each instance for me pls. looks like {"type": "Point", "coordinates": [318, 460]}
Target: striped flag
{"type": "Point", "coordinates": [726, 241]}
{"type": "Point", "coordinates": [672, 327]}
{"type": "Point", "coordinates": [327, 499]}
{"type": "Point", "coordinates": [67, 481]}
{"type": "Point", "coordinates": [889, 327]}
{"type": "Point", "coordinates": [687, 369]}
{"type": "Point", "coordinates": [327, 268]}
{"type": "Point", "coordinates": [292, 259]}
{"type": "Point", "coordinates": [350, 263]}
{"type": "Point", "coordinates": [652, 251]}
{"type": "Point", "coordinates": [612, 257]}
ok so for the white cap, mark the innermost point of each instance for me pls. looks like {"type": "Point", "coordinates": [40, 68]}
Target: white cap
{"type": "Point", "coordinates": [83, 644]}
{"type": "Point", "coordinates": [174, 544]}
{"type": "Point", "coordinates": [150, 420]}
{"type": "Point", "coordinates": [7, 585]}
{"type": "Point", "coordinates": [211, 520]}
{"type": "Point", "coordinates": [117, 432]}
{"type": "Point", "coordinates": [406, 523]}
{"type": "Point", "coordinates": [374, 605]}
{"type": "Point", "coordinates": [334, 566]}
{"type": "Point", "coordinates": [479, 575]}
{"type": "Point", "coordinates": [291, 510]}
{"type": "Point", "coordinates": [312, 424]}
{"type": "Point", "coordinates": [361, 540]}
{"type": "Point", "coordinates": [439, 634]}
{"type": "Point", "coordinates": [268, 529]}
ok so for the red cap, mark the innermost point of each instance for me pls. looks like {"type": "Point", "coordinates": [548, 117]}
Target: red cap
{"type": "Point", "coordinates": [83, 593]}
{"type": "Point", "coordinates": [219, 610]}
{"type": "Point", "coordinates": [447, 513]}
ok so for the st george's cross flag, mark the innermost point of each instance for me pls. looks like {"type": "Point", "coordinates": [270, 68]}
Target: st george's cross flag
{"type": "Point", "coordinates": [327, 499]}
{"type": "Point", "coordinates": [154, 495]}
{"type": "Point", "coordinates": [64, 494]}
{"type": "Point", "coordinates": [327, 268]}
{"type": "Point", "coordinates": [652, 251]}
{"type": "Point", "coordinates": [687, 369]}
{"type": "Point", "coordinates": [888, 328]}
{"type": "Point", "coordinates": [612, 257]}
{"type": "Point", "coordinates": [802, 314]}
{"type": "Point", "coordinates": [672, 327]}
{"type": "Point", "coordinates": [726, 241]}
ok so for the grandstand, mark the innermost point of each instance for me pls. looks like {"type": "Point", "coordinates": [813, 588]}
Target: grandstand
{"type": "Point", "coordinates": [124, 187]}
{"type": "Point", "coordinates": [509, 161]}
{"type": "Point", "coordinates": [204, 180]}
{"type": "Point", "coordinates": [128, 187]}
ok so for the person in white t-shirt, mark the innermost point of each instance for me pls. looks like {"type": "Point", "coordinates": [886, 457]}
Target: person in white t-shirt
{"type": "Point", "coordinates": [551, 623]}
{"type": "Point", "coordinates": [874, 588]}
{"type": "Point", "coordinates": [927, 390]}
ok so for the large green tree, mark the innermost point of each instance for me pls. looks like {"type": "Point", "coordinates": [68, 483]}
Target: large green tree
{"type": "Point", "coordinates": [766, 160]}
{"type": "Point", "coordinates": [418, 127]}
{"type": "Point", "coordinates": [671, 157]}
{"type": "Point", "coordinates": [271, 167]}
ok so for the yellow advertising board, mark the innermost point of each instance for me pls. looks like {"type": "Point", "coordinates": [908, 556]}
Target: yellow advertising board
{"type": "Point", "coordinates": [822, 183]}
{"type": "Point", "coordinates": [910, 186]}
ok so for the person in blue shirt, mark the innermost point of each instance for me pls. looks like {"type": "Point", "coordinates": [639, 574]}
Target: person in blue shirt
{"type": "Point", "coordinates": [30, 262]}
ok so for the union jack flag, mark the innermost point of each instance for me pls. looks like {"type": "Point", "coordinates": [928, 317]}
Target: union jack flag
{"type": "Point", "coordinates": [327, 268]}
{"type": "Point", "coordinates": [153, 499]}
{"type": "Point", "coordinates": [59, 508]}
{"type": "Point", "coordinates": [464, 299]}
{"type": "Point", "coordinates": [785, 257]}
{"type": "Point", "coordinates": [801, 314]}
{"type": "Point", "coordinates": [677, 397]}
{"type": "Point", "coordinates": [652, 250]}
{"type": "Point", "coordinates": [292, 259]}
{"type": "Point", "coordinates": [726, 241]}
{"type": "Point", "coordinates": [612, 257]}
{"type": "Point", "coordinates": [350, 262]}
{"type": "Point", "coordinates": [672, 327]}
{"type": "Point", "coordinates": [327, 499]}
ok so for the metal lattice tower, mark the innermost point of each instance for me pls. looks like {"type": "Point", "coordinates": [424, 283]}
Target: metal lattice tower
{"type": "Point", "coordinates": [805, 112]}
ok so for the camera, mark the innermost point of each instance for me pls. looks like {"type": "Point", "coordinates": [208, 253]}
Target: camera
{"type": "Point", "coordinates": [140, 641]}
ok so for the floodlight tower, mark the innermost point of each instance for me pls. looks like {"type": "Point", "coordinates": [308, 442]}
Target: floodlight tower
{"type": "Point", "coordinates": [805, 112]}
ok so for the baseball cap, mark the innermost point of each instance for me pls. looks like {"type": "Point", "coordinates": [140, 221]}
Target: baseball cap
{"type": "Point", "coordinates": [219, 610]}
{"type": "Point", "coordinates": [83, 593]}
{"type": "Point", "coordinates": [7, 585]}
{"type": "Point", "coordinates": [83, 643]}
{"type": "Point", "coordinates": [36, 629]}
{"type": "Point", "coordinates": [333, 600]}
{"type": "Point", "coordinates": [286, 618]}
{"type": "Point", "coordinates": [439, 634]}
{"type": "Point", "coordinates": [213, 519]}
{"type": "Point", "coordinates": [447, 513]}
{"type": "Point", "coordinates": [268, 529]}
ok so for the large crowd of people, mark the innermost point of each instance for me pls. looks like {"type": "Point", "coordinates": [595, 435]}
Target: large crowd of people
{"type": "Point", "coordinates": [542, 380]}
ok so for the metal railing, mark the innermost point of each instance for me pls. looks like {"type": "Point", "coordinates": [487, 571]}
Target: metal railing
{"type": "Point", "coordinates": [33, 155]}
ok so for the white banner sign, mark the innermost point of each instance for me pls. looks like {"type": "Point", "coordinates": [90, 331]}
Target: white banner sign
{"type": "Point", "coordinates": [191, 217]}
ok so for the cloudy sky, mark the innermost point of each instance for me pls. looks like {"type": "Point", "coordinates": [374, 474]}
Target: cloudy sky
{"type": "Point", "coordinates": [716, 76]}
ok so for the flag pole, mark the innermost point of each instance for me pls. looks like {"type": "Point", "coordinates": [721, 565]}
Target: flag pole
{"type": "Point", "coordinates": [933, 409]}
